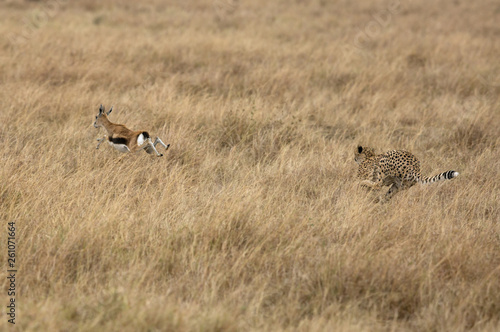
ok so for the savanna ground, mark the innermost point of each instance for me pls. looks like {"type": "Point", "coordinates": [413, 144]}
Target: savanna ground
{"type": "Point", "coordinates": [252, 220]}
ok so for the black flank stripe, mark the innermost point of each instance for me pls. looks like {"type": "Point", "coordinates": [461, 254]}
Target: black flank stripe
{"type": "Point", "coordinates": [118, 140]}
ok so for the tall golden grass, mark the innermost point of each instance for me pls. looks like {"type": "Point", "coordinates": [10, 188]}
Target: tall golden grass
{"type": "Point", "coordinates": [253, 219]}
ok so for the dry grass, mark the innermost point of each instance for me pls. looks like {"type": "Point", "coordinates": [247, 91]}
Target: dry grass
{"type": "Point", "coordinates": [252, 220]}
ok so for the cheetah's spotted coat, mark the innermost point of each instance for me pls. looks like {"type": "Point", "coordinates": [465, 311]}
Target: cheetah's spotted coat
{"type": "Point", "coordinates": [396, 168]}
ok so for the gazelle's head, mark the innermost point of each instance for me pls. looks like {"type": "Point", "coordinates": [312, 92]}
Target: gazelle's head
{"type": "Point", "coordinates": [101, 116]}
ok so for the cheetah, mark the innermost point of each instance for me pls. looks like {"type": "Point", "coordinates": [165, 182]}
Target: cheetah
{"type": "Point", "coordinates": [396, 168]}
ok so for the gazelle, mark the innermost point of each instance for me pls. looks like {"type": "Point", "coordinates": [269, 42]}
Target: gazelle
{"type": "Point", "coordinates": [124, 139]}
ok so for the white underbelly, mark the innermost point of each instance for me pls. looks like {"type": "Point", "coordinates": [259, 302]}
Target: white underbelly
{"type": "Point", "coordinates": [120, 147]}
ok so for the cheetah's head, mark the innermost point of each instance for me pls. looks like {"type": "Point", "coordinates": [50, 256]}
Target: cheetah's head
{"type": "Point", "coordinates": [362, 153]}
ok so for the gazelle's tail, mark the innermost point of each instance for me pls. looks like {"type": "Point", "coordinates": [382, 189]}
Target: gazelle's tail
{"type": "Point", "coordinates": [442, 176]}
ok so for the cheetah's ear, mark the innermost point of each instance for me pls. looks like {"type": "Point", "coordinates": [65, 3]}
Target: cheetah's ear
{"type": "Point", "coordinates": [360, 149]}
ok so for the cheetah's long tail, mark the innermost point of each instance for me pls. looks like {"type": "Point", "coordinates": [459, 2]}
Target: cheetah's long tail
{"type": "Point", "coordinates": [442, 176]}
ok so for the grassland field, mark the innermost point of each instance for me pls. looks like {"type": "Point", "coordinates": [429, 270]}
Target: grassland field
{"type": "Point", "coordinates": [253, 220]}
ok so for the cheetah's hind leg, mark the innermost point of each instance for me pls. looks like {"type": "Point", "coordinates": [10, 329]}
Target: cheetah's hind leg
{"type": "Point", "coordinates": [395, 187]}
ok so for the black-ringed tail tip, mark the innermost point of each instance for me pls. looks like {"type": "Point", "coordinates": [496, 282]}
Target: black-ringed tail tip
{"type": "Point", "coordinates": [452, 174]}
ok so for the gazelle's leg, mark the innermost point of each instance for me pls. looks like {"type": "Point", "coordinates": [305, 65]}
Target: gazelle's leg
{"type": "Point", "coordinates": [149, 145]}
{"type": "Point", "coordinates": [158, 140]}
{"type": "Point", "coordinates": [100, 140]}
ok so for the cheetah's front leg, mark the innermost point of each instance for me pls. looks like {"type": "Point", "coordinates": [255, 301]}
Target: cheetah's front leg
{"type": "Point", "coordinates": [371, 184]}
{"type": "Point", "coordinates": [375, 182]}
